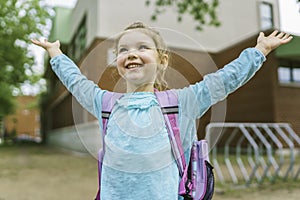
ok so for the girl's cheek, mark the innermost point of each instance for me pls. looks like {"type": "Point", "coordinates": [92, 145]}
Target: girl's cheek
{"type": "Point", "coordinates": [120, 64]}
{"type": "Point", "coordinates": [120, 60]}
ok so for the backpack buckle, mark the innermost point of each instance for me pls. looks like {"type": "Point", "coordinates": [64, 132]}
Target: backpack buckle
{"type": "Point", "coordinates": [188, 186]}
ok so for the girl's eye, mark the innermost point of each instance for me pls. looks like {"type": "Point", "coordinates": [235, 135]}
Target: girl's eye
{"type": "Point", "coordinates": [143, 47]}
{"type": "Point", "coordinates": [122, 50]}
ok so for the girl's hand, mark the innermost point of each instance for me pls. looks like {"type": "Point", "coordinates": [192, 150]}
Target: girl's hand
{"type": "Point", "coordinates": [267, 43]}
{"type": "Point", "coordinates": [53, 48]}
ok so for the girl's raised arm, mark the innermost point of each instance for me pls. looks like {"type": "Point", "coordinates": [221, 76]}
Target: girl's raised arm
{"type": "Point", "coordinates": [84, 90]}
{"type": "Point", "coordinates": [217, 86]}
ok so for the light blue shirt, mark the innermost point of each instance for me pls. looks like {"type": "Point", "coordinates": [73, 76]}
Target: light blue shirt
{"type": "Point", "coordinates": [138, 162]}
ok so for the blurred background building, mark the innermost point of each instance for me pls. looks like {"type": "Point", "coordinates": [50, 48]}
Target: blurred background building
{"type": "Point", "coordinates": [86, 35]}
{"type": "Point", "coordinates": [24, 124]}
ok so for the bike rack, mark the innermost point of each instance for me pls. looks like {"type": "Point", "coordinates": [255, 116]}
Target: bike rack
{"type": "Point", "coordinates": [253, 152]}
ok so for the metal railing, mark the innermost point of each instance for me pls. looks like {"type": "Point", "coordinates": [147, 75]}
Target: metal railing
{"type": "Point", "coordinates": [243, 153]}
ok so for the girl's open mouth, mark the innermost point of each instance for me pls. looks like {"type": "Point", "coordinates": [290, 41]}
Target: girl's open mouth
{"type": "Point", "coordinates": [133, 66]}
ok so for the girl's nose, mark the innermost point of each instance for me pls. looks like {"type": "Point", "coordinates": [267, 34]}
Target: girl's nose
{"type": "Point", "coordinates": [132, 55]}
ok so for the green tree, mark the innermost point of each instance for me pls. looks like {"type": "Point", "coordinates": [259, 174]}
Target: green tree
{"type": "Point", "coordinates": [20, 20]}
{"type": "Point", "coordinates": [202, 11]}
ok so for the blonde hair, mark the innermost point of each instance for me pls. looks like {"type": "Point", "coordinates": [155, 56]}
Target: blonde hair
{"type": "Point", "coordinates": [162, 50]}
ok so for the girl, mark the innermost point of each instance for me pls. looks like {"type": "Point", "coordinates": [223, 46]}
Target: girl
{"type": "Point", "coordinates": [138, 162]}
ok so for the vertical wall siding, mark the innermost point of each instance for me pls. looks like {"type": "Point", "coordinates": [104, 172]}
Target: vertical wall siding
{"type": "Point", "coordinates": [288, 106]}
{"type": "Point", "coordinates": [62, 114]}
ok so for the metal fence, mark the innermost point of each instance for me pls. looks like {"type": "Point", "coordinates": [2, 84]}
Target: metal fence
{"type": "Point", "coordinates": [245, 153]}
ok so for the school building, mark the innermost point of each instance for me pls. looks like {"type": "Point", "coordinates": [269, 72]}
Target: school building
{"type": "Point", "coordinates": [86, 34]}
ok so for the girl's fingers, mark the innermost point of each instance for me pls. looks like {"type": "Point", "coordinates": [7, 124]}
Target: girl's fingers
{"type": "Point", "coordinates": [284, 37]}
{"type": "Point", "coordinates": [287, 36]}
{"type": "Point", "coordinates": [33, 41]}
{"type": "Point", "coordinates": [274, 33]}
{"type": "Point", "coordinates": [261, 34]}
{"type": "Point", "coordinates": [38, 42]}
{"type": "Point", "coordinates": [288, 39]}
{"type": "Point", "coordinates": [280, 35]}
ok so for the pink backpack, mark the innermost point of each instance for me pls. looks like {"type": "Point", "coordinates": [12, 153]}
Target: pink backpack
{"type": "Point", "coordinates": [197, 178]}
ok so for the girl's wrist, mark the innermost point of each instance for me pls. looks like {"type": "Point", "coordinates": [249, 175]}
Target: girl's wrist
{"type": "Point", "coordinates": [264, 50]}
{"type": "Point", "coordinates": [54, 52]}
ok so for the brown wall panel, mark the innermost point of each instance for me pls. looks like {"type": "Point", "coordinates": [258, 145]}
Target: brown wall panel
{"type": "Point", "coordinates": [62, 115]}
{"type": "Point", "coordinates": [288, 106]}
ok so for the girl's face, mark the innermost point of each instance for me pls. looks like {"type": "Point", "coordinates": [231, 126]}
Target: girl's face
{"type": "Point", "coordinates": [137, 59]}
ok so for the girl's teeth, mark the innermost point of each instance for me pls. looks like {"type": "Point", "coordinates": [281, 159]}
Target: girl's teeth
{"type": "Point", "coordinates": [132, 66]}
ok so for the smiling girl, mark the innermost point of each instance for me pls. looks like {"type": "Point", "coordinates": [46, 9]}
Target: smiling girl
{"type": "Point", "coordinates": [138, 162]}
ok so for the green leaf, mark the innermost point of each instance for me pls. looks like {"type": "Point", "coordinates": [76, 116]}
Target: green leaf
{"type": "Point", "coordinates": [153, 18]}
{"type": "Point", "coordinates": [203, 12]}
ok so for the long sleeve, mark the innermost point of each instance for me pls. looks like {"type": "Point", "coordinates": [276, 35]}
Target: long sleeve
{"type": "Point", "coordinates": [217, 86]}
{"type": "Point", "coordinates": [85, 91]}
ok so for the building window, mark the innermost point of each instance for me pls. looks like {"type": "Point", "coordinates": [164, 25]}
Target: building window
{"type": "Point", "coordinates": [266, 16]}
{"type": "Point", "coordinates": [284, 74]}
{"type": "Point", "coordinates": [289, 73]}
{"type": "Point", "coordinates": [78, 44]}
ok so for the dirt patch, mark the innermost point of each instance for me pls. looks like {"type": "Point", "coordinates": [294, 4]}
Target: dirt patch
{"type": "Point", "coordinates": [35, 172]}
{"type": "Point", "coordinates": [278, 191]}
{"type": "Point", "coordinates": [40, 172]}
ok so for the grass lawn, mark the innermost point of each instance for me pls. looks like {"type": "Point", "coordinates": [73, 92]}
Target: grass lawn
{"type": "Point", "coordinates": [35, 172]}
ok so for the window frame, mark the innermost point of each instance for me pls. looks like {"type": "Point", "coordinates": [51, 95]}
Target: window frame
{"type": "Point", "coordinates": [78, 43]}
{"type": "Point", "coordinates": [263, 19]}
{"type": "Point", "coordinates": [291, 66]}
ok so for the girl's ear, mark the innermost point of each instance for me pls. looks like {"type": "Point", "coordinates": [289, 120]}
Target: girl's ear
{"type": "Point", "coordinates": [164, 60]}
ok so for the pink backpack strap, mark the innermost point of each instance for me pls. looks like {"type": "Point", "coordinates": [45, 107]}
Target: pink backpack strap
{"type": "Point", "coordinates": [108, 101]}
{"type": "Point", "coordinates": [168, 101]}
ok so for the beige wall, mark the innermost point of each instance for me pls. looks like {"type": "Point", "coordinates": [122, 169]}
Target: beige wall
{"type": "Point", "coordinates": [26, 120]}
{"type": "Point", "coordinates": [240, 19]}
{"type": "Point", "coordinates": [106, 18]}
